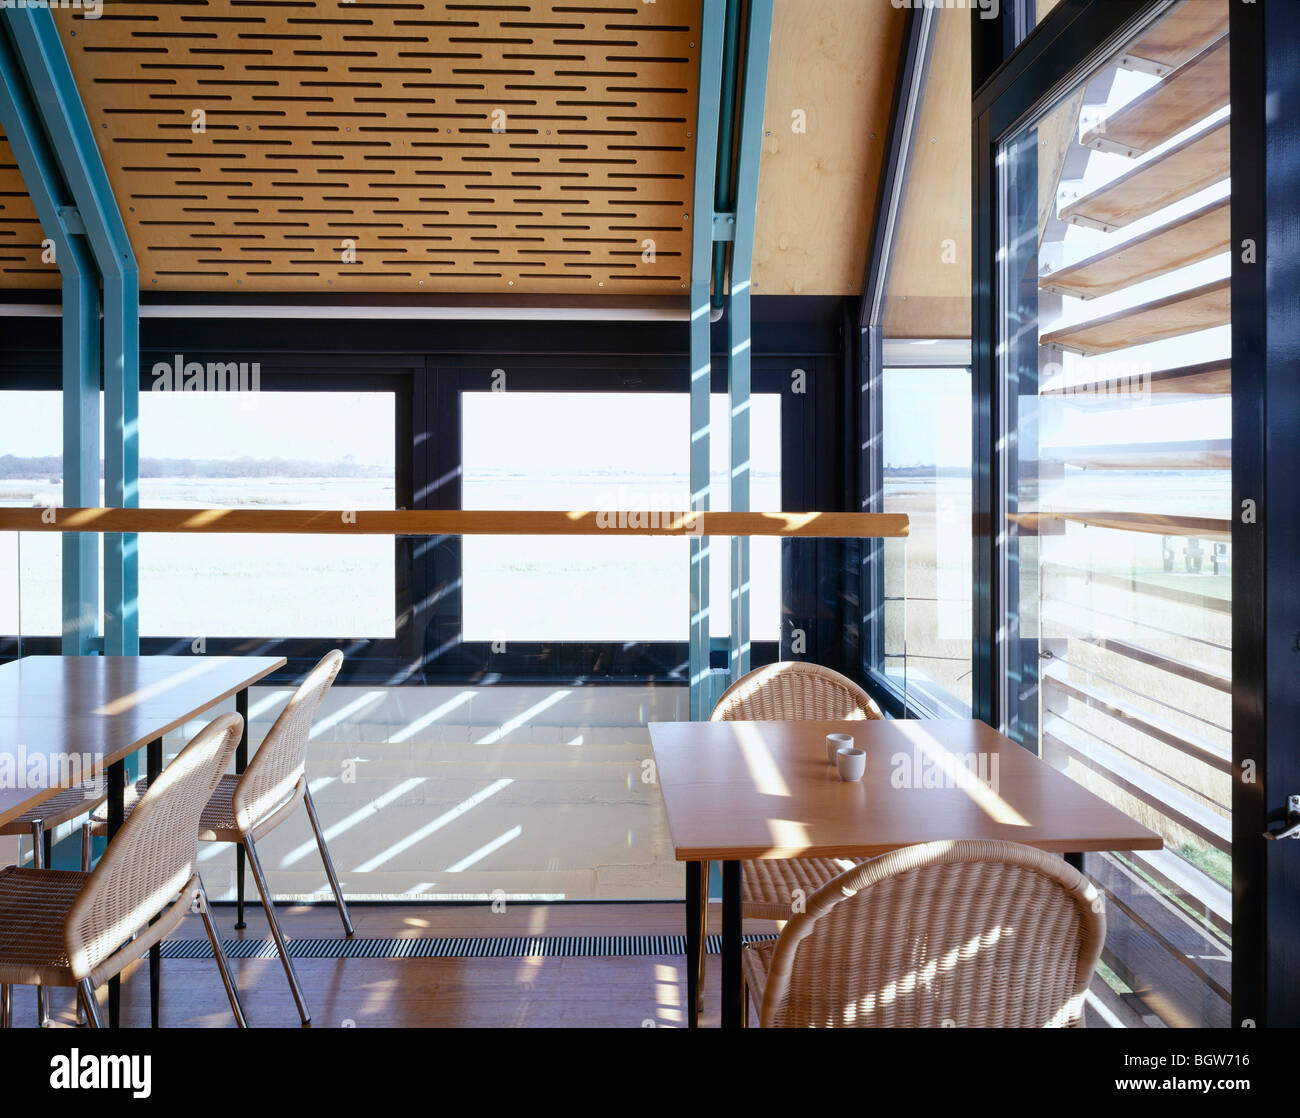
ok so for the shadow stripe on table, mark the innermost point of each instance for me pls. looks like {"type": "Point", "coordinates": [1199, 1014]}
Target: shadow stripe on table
{"type": "Point", "coordinates": [448, 947]}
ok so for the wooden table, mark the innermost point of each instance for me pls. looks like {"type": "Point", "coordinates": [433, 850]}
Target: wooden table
{"type": "Point", "coordinates": [102, 710]}
{"type": "Point", "coordinates": [741, 790]}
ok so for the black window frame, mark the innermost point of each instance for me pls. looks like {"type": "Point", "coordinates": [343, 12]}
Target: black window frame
{"type": "Point", "coordinates": [447, 657]}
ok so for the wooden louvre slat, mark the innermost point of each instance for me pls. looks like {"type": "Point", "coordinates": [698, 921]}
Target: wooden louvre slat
{"type": "Point", "coordinates": [1208, 378]}
{"type": "Point", "coordinates": [1186, 168]}
{"type": "Point", "coordinates": [1182, 809]}
{"type": "Point", "coordinates": [1060, 677]}
{"type": "Point", "coordinates": [1198, 308]}
{"type": "Point", "coordinates": [1196, 454]}
{"type": "Point", "coordinates": [1194, 91]}
{"type": "Point", "coordinates": [1160, 524]}
{"type": "Point", "coordinates": [1193, 237]}
{"type": "Point", "coordinates": [1186, 31]}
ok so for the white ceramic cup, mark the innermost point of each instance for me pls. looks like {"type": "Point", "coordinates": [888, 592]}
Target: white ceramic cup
{"type": "Point", "coordinates": [834, 743]}
{"type": "Point", "coordinates": [851, 762]}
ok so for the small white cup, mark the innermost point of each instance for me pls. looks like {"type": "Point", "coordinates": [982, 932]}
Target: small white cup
{"type": "Point", "coordinates": [851, 762]}
{"type": "Point", "coordinates": [834, 743]}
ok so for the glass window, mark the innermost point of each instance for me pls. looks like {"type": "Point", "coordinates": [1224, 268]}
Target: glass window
{"type": "Point", "coordinates": [924, 393]}
{"type": "Point", "coordinates": [31, 474]}
{"type": "Point", "coordinates": [1116, 339]}
{"type": "Point", "coordinates": [926, 473]}
{"type": "Point", "coordinates": [270, 450]}
{"type": "Point", "coordinates": [605, 451]}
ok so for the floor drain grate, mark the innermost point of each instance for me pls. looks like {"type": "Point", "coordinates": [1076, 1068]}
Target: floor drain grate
{"type": "Point", "coordinates": [458, 947]}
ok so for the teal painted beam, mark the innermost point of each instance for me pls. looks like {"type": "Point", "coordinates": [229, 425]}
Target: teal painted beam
{"type": "Point", "coordinates": [63, 117]}
{"type": "Point", "coordinates": [61, 225]}
{"type": "Point", "coordinates": [749, 150]}
{"type": "Point", "coordinates": [712, 31]}
{"type": "Point", "coordinates": [723, 199]}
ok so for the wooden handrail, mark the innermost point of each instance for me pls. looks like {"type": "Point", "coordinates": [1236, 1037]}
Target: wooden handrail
{"type": "Point", "coordinates": [457, 522]}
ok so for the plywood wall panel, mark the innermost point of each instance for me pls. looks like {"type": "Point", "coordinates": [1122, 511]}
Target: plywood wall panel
{"type": "Point", "coordinates": [836, 62]}
{"type": "Point", "coordinates": [929, 294]}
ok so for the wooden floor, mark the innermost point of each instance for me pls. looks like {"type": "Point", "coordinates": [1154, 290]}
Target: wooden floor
{"type": "Point", "coordinates": [609, 992]}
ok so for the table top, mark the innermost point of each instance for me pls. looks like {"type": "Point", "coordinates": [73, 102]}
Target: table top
{"type": "Point", "coordinates": [739, 790]}
{"type": "Point", "coordinates": [80, 714]}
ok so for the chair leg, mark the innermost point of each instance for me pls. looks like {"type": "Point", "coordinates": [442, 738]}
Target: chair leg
{"type": "Point", "coordinates": [268, 906]}
{"type": "Point", "coordinates": [704, 933]}
{"type": "Point", "coordinates": [228, 980]}
{"type": "Point", "coordinates": [87, 992]}
{"type": "Point", "coordinates": [38, 861]}
{"type": "Point", "coordinates": [87, 845]}
{"type": "Point", "coordinates": [329, 862]}
{"type": "Point", "coordinates": [6, 1006]}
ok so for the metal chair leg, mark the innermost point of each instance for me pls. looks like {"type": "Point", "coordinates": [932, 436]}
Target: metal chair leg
{"type": "Point", "coordinates": [268, 906]}
{"type": "Point", "coordinates": [87, 847]}
{"type": "Point", "coordinates": [329, 862]}
{"type": "Point", "coordinates": [87, 993]}
{"type": "Point", "coordinates": [704, 933]}
{"type": "Point", "coordinates": [228, 980]}
{"type": "Point", "coordinates": [38, 861]}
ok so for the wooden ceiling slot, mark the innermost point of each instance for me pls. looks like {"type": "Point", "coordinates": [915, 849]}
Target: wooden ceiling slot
{"type": "Point", "coordinates": [258, 145]}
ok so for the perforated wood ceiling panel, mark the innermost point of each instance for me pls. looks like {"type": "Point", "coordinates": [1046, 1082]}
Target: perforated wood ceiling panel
{"type": "Point", "coordinates": [530, 146]}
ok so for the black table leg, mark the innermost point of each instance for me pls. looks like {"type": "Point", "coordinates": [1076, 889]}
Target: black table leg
{"type": "Point", "coordinates": [732, 982]}
{"type": "Point", "coordinates": [241, 763]}
{"type": "Point", "coordinates": [116, 813]}
{"type": "Point", "coordinates": [693, 945]}
{"type": "Point", "coordinates": [1075, 860]}
{"type": "Point", "coordinates": [153, 768]}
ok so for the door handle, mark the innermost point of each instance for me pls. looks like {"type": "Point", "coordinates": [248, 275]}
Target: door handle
{"type": "Point", "coordinates": [1292, 828]}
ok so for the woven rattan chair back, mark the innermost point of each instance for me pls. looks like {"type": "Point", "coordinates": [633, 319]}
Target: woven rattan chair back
{"type": "Point", "coordinates": [957, 934]}
{"type": "Point", "coordinates": [153, 855]}
{"type": "Point", "coordinates": [794, 690]}
{"type": "Point", "coordinates": [281, 759]}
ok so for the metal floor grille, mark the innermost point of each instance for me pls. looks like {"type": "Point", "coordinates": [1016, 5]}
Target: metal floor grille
{"type": "Point", "coordinates": [450, 947]}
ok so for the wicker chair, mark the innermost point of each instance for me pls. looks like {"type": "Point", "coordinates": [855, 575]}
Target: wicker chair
{"type": "Point", "coordinates": [787, 692]}
{"type": "Point", "coordinates": [40, 824]}
{"type": "Point", "coordinates": [958, 934]}
{"type": "Point", "coordinates": [784, 692]}
{"type": "Point", "coordinates": [71, 928]}
{"type": "Point", "coordinates": [244, 808]}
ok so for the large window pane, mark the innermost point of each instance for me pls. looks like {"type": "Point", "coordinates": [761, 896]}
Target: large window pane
{"type": "Point", "coordinates": [926, 467]}
{"type": "Point", "coordinates": [270, 450]}
{"type": "Point", "coordinates": [31, 474]}
{"type": "Point", "coordinates": [604, 451]}
{"type": "Point", "coordinates": [1117, 520]}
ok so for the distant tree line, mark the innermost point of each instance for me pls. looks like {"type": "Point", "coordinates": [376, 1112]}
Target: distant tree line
{"type": "Point", "coordinates": [51, 467]}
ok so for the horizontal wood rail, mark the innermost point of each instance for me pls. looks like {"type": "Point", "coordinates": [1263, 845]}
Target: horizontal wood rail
{"type": "Point", "coordinates": [1153, 523]}
{"type": "Point", "coordinates": [458, 522]}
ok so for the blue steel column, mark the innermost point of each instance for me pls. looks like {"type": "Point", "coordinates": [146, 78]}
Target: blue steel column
{"type": "Point", "coordinates": [65, 122]}
{"type": "Point", "coordinates": [706, 158]}
{"type": "Point", "coordinates": [61, 223]}
{"type": "Point", "coordinates": [740, 345]}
